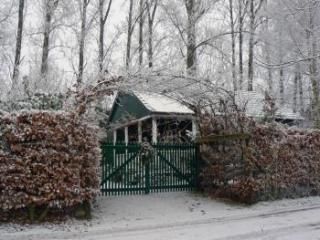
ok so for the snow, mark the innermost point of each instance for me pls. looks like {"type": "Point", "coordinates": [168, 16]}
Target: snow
{"type": "Point", "coordinates": [162, 104]}
{"type": "Point", "coordinates": [182, 216]}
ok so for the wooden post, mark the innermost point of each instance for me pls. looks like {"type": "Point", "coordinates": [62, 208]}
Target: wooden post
{"type": "Point", "coordinates": [194, 128]}
{"type": "Point", "coordinates": [115, 136]}
{"type": "Point", "coordinates": [140, 132]}
{"type": "Point", "coordinates": [126, 135]}
{"type": "Point", "coordinates": [154, 131]}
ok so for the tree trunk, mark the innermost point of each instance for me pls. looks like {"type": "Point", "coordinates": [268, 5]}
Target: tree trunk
{"type": "Point", "coordinates": [241, 20]}
{"type": "Point", "coordinates": [191, 39]}
{"type": "Point", "coordinates": [281, 87]}
{"type": "Point", "coordinates": [281, 68]}
{"type": "Point", "coordinates": [16, 68]}
{"type": "Point", "coordinates": [129, 36]}
{"type": "Point", "coordinates": [141, 23]}
{"type": "Point", "coordinates": [103, 19]}
{"type": "Point", "coordinates": [50, 5]}
{"type": "Point", "coordinates": [301, 100]}
{"type": "Point", "coordinates": [101, 35]}
{"type": "Point", "coordinates": [267, 49]}
{"type": "Point", "coordinates": [313, 68]}
{"type": "Point", "coordinates": [270, 75]}
{"type": "Point", "coordinates": [251, 46]}
{"type": "Point", "coordinates": [268, 59]}
{"type": "Point", "coordinates": [151, 17]}
{"type": "Point", "coordinates": [233, 46]}
{"type": "Point", "coordinates": [295, 90]}
{"type": "Point", "coordinates": [82, 41]}
{"type": "Point", "coordinates": [150, 44]}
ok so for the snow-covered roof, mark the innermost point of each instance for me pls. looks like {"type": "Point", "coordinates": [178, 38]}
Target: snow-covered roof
{"type": "Point", "coordinates": [254, 103]}
{"type": "Point", "coordinates": [162, 104]}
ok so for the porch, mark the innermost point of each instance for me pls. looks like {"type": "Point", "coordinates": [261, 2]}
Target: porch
{"type": "Point", "coordinates": [139, 117]}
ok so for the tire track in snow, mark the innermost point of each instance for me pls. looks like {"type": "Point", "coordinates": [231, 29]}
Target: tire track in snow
{"type": "Point", "coordinates": [279, 233]}
{"type": "Point", "coordinates": [215, 220]}
{"type": "Point", "coordinates": [127, 232]}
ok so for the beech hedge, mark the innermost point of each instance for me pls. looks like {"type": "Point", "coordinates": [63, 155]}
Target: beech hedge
{"type": "Point", "coordinates": [248, 161]}
{"type": "Point", "coordinates": [48, 160]}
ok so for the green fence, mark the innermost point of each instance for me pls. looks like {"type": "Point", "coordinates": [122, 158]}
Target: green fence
{"type": "Point", "coordinates": [141, 169]}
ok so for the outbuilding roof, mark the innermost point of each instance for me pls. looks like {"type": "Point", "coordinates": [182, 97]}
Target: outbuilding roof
{"type": "Point", "coordinates": [254, 103]}
{"type": "Point", "coordinates": [128, 107]}
{"type": "Point", "coordinates": [158, 103]}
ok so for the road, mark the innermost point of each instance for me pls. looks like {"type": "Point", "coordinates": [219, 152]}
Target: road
{"type": "Point", "coordinates": [183, 216]}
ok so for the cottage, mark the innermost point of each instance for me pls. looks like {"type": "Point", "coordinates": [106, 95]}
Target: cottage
{"type": "Point", "coordinates": [139, 116]}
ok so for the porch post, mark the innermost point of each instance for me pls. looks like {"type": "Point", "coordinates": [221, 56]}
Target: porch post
{"type": "Point", "coordinates": [126, 135]}
{"type": "Point", "coordinates": [140, 132]}
{"type": "Point", "coordinates": [115, 136]}
{"type": "Point", "coordinates": [194, 128]}
{"type": "Point", "coordinates": [154, 130]}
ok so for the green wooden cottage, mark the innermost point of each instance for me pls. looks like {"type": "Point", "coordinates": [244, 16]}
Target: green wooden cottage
{"type": "Point", "coordinates": [145, 116]}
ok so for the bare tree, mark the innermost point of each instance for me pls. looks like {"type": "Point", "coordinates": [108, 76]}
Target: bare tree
{"type": "Point", "coordinates": [141, 25]}
{"type": "Point", "coordinates": [7, 14]}
{"type": "Point", "coordinates": [267, 48]}
{"type": "Point", "coordinates": [103, 15]}
{"type": "Point", "coordinates": [233, 45]}
{"type": "Point", "coordinates": [7, 10]}
{"type": "Point", "coordinates": [295, 89]}
{"type": "Point", "coordinates": [191, 38]}
{"type": "Point", "coordinates": [268, 59]}
{"type": "Point", "coordinates": [152, 6]}
{"type": "Point", "coordinates": [17, 59]}
{"type": "Point", "coordinates": [313, 62]}
{"type": "Point", "coordinates": [129, 35]}
{"type": "Point", "coordinates": [251, 46]}
{"type": "Point", "coordinates": [255, 6]}
{"type": "Point", "coordinates": [83, 33]}
{"type": "Point", "coordinates": [281, 84]}
{"type": "Point", "coordinates": [299, 42]}
{"type": "Point", "coordinates": [50, 7]}
{"type": "Point", "coordinates": [281, 67]}
{"type": "Point", "coordinates": [301, 100]}
{"type": "Point", "coordinates": [195, 10]}
{"type": "Point", "coordinates": [241, 24]}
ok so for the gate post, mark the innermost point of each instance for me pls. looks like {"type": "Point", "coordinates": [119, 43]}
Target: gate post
{"type": "Point", "coordinates": [146, 158]}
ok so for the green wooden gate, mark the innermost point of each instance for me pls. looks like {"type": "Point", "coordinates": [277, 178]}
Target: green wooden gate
{"type": "Point", "coordinates": [137, 169]}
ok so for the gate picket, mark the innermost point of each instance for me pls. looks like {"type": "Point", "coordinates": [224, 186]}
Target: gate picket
{"type": "Point", "coordinates": [168, 167]}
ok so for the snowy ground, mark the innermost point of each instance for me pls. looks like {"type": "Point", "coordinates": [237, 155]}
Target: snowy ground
{"type": "Point", "coordinates": [182, 216]}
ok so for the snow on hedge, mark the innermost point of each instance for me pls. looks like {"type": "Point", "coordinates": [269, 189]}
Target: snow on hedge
{"type": "Point", "coordinates": [248, 162]}
{"type": "Point", "coordinates": [47, 160]}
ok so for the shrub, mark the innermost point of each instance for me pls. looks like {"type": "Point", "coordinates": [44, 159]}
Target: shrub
{"type": "Point", "coordinates": [47, 160]}
{"type": "Point", "coordinates": [274, 162]}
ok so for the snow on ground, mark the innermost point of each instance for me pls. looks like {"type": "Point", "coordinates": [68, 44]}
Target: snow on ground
{"type": "Point", "coordinates": [182, 216]}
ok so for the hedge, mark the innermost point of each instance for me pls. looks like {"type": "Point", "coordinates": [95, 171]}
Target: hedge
{"type": "Point", "coordinates": [274, 162]}
{"type": "Point", "coordinates": [48, 160]}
